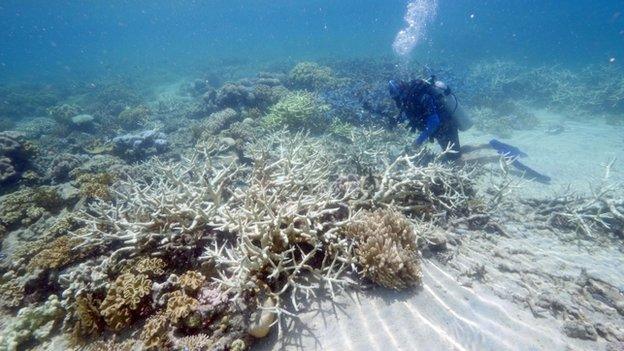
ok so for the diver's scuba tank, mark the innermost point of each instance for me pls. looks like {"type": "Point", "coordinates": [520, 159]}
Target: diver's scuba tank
{"type": "Point", "coordinates": [449, 101]}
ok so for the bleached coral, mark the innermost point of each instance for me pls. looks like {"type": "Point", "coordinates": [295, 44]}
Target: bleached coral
{"type": "Point", "coordinates": [31, 323]}
{"type": "Point", "coordinates": [385, 248]}
{"type": "Point", "coordinates": [285, 221]}
{"type": "Point", "coordinates": [171, 209]}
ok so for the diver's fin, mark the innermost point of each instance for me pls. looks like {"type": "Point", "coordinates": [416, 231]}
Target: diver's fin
{"type": "Point", "coordinates": [531, 173]}
{"type": "Point", "coordinates": [506, 149]}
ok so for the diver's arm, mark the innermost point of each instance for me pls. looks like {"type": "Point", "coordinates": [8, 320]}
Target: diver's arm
{"type": "Point", "coordinates": [432, 125]}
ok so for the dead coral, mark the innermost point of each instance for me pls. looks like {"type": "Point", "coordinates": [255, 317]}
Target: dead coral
{"type": "Point", "coordinates": [285, 222]}
{"type": "Point", "coordinates": [124, 297]}
{"type": "Point", "coordinates": [385, 248]}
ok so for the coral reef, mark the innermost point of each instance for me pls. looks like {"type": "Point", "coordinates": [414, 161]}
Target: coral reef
{"type": "Point", "coordinates": [234, 96]}
{"type": "Point", "coordinates": [385, 248]}
{"type": "Point", "coordinates": [180, 306]}
{"type": "Point", "coordinates": [6, 124]}
{"type": "Point", "coordinates": [95, 185]}
{"type": "Point", "coordinates": [298, 110]}
{"type": "Point", "coordinates": [64, 113]}
{"type": "Point", "coordinates": [152, 266]}
{"type": "Point", "coordinates": [155, 333]}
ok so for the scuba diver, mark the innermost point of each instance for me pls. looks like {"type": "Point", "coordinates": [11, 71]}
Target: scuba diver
{"type": "Point", "coordinates": [430, 107]}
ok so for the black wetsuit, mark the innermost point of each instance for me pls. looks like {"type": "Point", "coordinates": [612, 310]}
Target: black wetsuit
{"type": "Point", "coordinates": [424, 111]}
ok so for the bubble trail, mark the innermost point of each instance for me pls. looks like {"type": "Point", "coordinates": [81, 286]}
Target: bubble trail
{"type": "Point", "coordinates": [419, 14]}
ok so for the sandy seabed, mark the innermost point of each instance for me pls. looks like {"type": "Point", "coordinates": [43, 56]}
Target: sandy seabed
{"type": "Point", "coordinates": [495, 292]}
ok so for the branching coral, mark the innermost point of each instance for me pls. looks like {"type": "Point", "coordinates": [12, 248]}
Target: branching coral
{"type": "Point", "coordinates": [421, 189]}
{"type": "Point", "coordinates": [298, 110]}
{"type": "Point", "coordinates": [385, 248]}
{"type": "Point", "coordinates": [124, 297]}
{"type": "Point", "coordinates": [601, 213]}
{"type": "Point", "coordinates": [169, 210]}
{"type": "Point", "coordinates": [286, 222]}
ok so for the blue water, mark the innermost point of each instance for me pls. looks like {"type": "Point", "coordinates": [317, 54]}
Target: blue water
{"type": "Point", "coordinates": [43, 39]}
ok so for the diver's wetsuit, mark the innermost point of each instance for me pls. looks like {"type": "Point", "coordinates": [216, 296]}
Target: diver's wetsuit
{"type": "Point", "coordinates": [424, 113]}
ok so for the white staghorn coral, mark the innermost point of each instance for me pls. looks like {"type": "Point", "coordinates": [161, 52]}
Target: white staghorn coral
{"type": "Point", "coordinates": [172, 207]}
{"type": "Point", "coordinates": [286, 222]}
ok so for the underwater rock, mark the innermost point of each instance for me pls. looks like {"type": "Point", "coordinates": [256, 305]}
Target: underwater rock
{"type": "Point", "coordinates": [140, 145]}
{"type": "Point", "coordinates": [82, 120]}
{"type": "Point", "coordinates": [235, 96]}
{"type": "Point", "coordinates": [14, 156]}
{"type": "Point", "coordinates": [580, 330]}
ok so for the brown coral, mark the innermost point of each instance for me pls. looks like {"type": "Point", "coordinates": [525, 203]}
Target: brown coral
{"type": "Point", "coordinates": [155, 333]}
{"type": "Point", "coordinates": [57, 255]}
{"type": "Point", "coordinates": [152, 266]}
{"type": "Point", "coordinates": [94, 186]}
{"type": "Point", "coordinates": [89, 322]}
{"type": "Point", "coordinates": [124, 298]}
{"type": "Point", "coordinates": [191, 281]}
{"type": "Point", "coordinates": [180, 306]}
{"type": "Point", "coordinates": [11, 293]}
{"type": "Point", "coordinates": [385, 248]}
